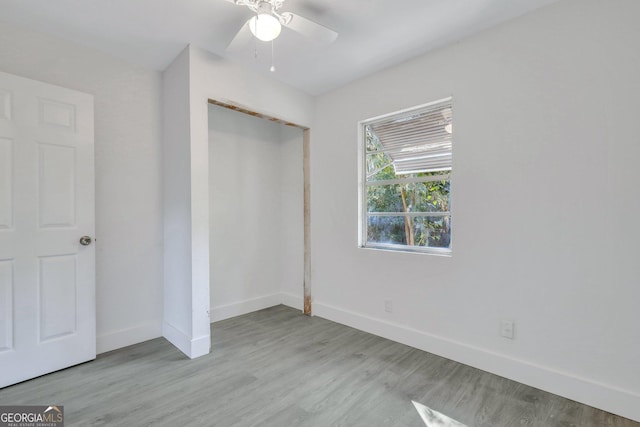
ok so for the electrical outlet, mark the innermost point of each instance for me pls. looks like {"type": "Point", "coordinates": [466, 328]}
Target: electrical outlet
{"type": "Point", "coordinates": [507, 329]}
{"type": "Point", "coordinates": [388, 306]}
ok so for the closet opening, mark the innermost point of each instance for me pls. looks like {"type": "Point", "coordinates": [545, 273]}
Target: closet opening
{"type": "Point", "coordinates": [258, 212]}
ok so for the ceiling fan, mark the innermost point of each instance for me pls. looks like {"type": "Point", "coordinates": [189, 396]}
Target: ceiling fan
{"type": "Point", "coordinates": [268, 21]}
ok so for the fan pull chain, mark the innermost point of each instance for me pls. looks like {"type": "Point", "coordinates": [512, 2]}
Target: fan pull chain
{"type": "Point", "coordinates": [255, 47]}
{"type": "Point", "coordinates": [273, 66]}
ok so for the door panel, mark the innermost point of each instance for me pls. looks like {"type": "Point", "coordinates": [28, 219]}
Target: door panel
{"type": "Point", "coordinates": [6, 305]}
{"type": "Point", "coordinates": [6, 183]}
{"type": "Point", "coordinates": [57, 186]}
{"type": "Point", "coordinates": [60, 114]}
{"type": "Point", "coordinates": [47, 279]}
{"type": "Point", "coordinates": [5, 104]}
{"type": "Point", "coordinates": [57, 296]}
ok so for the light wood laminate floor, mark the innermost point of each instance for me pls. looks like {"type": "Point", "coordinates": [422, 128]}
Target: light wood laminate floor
{"type": "Point", "coordinates": [277, 367]}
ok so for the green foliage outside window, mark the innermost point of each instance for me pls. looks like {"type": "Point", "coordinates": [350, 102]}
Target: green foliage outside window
{"type": "Point", "coordinates": [412, 200]}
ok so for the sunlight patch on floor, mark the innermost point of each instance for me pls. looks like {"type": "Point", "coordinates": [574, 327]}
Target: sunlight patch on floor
{"type": "Point", "coordinates": [433, 418]}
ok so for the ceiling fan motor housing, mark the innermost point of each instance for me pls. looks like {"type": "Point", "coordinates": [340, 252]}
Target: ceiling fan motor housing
{"type": "Point", "coordinates": [261, 6]}
{"type": "Point", "coordinates": [265, 7]}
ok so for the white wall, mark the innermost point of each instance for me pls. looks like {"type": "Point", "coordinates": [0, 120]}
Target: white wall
{"type": "Point", "coordinates": [177, 324]}
{"type": "Point", "coordinates": [128, 175]}
{"type": "Point", "coordinates": [545, 205]}
{"type": "Point", "coordinates": [256, 207]}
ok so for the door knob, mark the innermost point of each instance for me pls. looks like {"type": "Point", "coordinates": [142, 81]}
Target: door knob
{"type": "Point", "coordinates": [85, 240]}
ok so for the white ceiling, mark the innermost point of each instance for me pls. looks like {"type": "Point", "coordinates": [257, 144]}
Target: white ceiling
{"type": "Point", "coordinates": [374, 34]}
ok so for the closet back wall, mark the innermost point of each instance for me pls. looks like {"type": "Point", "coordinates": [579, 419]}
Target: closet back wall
{"type": "Point", "coordinates": [256, 213]}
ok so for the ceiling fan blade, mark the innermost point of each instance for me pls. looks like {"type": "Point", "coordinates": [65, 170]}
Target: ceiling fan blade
{"type": "Point", "coordinates": [241, 39]}
{"type": "Point", "coordinates": [309, 28]}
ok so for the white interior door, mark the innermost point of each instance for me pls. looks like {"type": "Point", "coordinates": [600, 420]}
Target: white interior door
{"type": "Point", "coordinates": [47, 277]}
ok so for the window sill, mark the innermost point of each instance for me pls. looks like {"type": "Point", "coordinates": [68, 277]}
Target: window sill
{"type": "Point", "coordinates": [408, 249]}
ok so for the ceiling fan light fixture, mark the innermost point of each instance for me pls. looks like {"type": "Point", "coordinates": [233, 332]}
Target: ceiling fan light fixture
{"type": "Point", "coordinates": [265, 27]}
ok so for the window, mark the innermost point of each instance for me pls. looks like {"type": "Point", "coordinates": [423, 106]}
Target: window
{"type": "Point", "coordinates": [405, 189]}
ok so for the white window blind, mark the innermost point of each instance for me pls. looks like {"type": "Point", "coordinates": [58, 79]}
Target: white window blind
{"type": "Point", "coordinates": [419, 141]}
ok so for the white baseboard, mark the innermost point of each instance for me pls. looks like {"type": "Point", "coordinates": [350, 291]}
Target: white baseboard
{"type": "Point", "coordinates": [583, 390]}
{"type": "Point", "coordinates": [192, 347]}
{"type": "Point", "coordinates": [200, 346]}
{"type": "Point", "coordinates": [126, 337]}
{"type": "Point", "coordinates": [249, 306]}
{"type": "Point", "coordinates": [243, 307]}
{"type": "Point", "coordinates": [292, 301]}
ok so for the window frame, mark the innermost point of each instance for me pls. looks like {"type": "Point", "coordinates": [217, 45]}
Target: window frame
{"type": "Point", "coordinates": [363, 214]}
